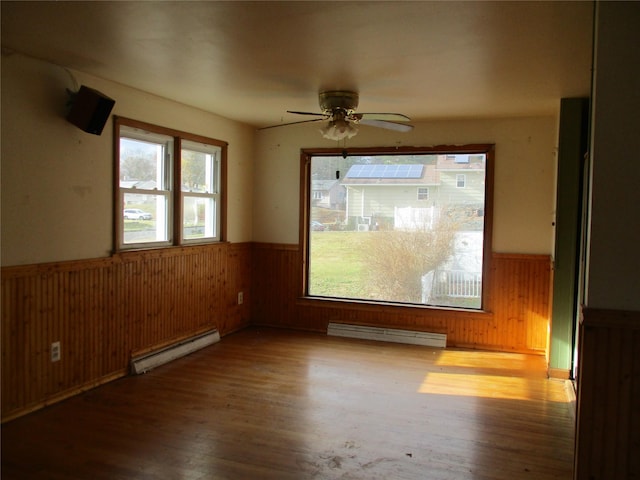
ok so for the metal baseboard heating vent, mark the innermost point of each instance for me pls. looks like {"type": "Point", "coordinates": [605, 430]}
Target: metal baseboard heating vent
{"type": "Point", "coordinates": [144, 363]}
{"type": "Point", "coordinates": [388, 335]}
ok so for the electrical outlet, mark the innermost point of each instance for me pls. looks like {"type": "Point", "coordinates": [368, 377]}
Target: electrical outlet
{"type": "Point", "coordinates": [240, 298]}
{"type": "Point", "coordinates": [56, 352]}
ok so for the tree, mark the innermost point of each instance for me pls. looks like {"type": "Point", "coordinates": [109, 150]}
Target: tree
{"type": "Point", "coordinates": [194, 170]}
{"type": "Point", "coordinates": [137, 167]}
{"type": "Point", "coordinates": [398, 259]}
{"type": "Point", "coordinates": [138, 160]}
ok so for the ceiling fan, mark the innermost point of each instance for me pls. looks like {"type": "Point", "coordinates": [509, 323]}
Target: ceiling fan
{"type": "Point", "coordinates": [339, 108]}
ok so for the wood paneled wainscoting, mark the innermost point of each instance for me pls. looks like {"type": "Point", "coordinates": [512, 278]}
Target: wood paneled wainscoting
{"type": "Point", "coordinates": [103, 311]}
{"type": "Point", "coordinates": [608, 418]}
{"type": "Point", "coordinates": [517, 318]}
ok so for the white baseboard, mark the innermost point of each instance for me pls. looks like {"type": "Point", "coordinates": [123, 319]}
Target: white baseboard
{"type": "Point", "coordinates": [388, 335]}
{"type": "Point", "coordinates": [151, 360]}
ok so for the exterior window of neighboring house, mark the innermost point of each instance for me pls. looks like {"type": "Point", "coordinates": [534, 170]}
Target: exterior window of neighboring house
{"type": "Point", "coordinates": [423, 193]}
{"type": "Point", "coordinates": [317, 195]}
{"type": "Point", "coordinates": [170, 189]}
{"type": "Point", "coordinates": [383, 243]}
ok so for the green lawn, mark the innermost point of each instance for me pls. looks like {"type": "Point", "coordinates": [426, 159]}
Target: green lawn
{"type": "Point", "coordinates": [338, 268]}
{"type": "Point", "coordinates": [341, 265]}
{"type": "Point", "coordinates": [139, 225]}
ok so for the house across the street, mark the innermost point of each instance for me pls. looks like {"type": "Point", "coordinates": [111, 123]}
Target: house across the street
{"type": "Point", "coordinates": [414, 196]}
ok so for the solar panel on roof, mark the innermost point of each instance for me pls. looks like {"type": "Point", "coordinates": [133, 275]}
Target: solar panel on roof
{"type": "Point", "coordinates": [385, 171]}
{"type": "Point", "coordinates": [379, 171]}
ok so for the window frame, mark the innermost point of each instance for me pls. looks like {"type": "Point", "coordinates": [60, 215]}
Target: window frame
{"type": "Point", "coordinates": [174, 222]}
{"type": "Point", "coordinates": [459, 183]}
{"type": "Point", "coordinates": [305, 216]}
{"type": "Point", "coordinates": [213, 196]}
{"type": "Point", "coordinates": [164, 190]}
{"type": "Point", "coordinates": [423, 194]}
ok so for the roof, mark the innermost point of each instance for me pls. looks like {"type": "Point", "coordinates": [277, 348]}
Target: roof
{"type": "Point", "coordinates": [389, 174]}
{"type": "Point", "coordinates": [323, 184]}
{"type": "Point", "coordinates": [461, 162]}
{"type": "Point", "coordinates": [386, 171]}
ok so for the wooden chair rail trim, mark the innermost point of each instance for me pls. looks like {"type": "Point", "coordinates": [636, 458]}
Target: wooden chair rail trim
{"type": "Point", "coordinates": [381, 307]}
{"type": "Point", "coordinates": [13, 271]}
{"type": "Point", "coordinates": [166, 252]}
{"type": "Point", "coordinates": [16, 271]}
{"type": "Point", "coordinates": [496, 255]}
{"type": "Point", "coordinates": [276, 246]}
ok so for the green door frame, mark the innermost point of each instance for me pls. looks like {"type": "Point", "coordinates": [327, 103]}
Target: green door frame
{"type": "Point", "coordinates": [572, 148]}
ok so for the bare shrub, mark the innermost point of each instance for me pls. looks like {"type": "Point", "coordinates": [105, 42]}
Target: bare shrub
{"type": "Point", "coordinates": [398, 259]}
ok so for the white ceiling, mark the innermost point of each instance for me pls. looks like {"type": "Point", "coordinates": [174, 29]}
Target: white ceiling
{"type": "Point", "coordinates": [252, 61]}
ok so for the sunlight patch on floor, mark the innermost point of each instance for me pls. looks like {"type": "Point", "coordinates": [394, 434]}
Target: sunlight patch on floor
{"type": "Point", "coordinates": [461, 358]}
{"type": "Point", "coordinates": [485, 386]}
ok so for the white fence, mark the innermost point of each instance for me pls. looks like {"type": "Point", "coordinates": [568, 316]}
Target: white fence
{"type": "Point", "coordinates": [412, 218]}
{"type": "Point", "coordinates": [452, 284]}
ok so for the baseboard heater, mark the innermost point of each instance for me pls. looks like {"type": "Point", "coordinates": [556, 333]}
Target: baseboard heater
{"type": "Point", "coordinates": [388, 335]}
{"type": "Point", "coordinates": [146, 362]}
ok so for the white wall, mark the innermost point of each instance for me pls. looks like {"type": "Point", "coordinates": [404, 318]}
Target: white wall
{"type": "Point", "coordinates": [524, 175]}
{"type": "Point", "coordinates": [614, 256]}
{"type": "Point", "coordinates": [57, 199]}
{"type": "Point", "coordinates": [57, 180]}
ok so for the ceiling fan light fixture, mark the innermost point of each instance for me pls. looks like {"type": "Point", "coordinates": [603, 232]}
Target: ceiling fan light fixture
{"type": "Point", "coordinates": [339, 129]}
{"type": "Point", "coordinates": [339, 108]}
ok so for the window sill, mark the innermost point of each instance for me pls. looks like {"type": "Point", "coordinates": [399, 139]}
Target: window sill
{"type": "Point", "coordinates": [168, 250]}
{"type": "Point", "coordinates": [427, 310]}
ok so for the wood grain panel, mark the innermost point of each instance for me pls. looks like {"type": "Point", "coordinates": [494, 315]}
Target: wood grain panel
{"type": "Point", "coordinates": [103, 311]}
{"type": "Point", "coordinates": [239, 279]}
{"type": "Point", "coordinates": [608, 418]}
{"type": "Point", "coordinates": [517, 318]}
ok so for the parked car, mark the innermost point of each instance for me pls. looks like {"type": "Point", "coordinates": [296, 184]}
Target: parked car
{"type": "Point", "coordinates": [317, 226]}
{"type": "Point", "coordinates": [136, 214]}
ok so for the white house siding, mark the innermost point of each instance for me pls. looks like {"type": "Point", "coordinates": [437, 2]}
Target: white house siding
{"type": "Point", "coordinates": [382, 200]}
{"type": "Point", "coordinates": [354, 201]}
{"type": "Point", "coordinates": [328, 194]}
{"type": "Point", "coordinates": [472, 193]}
{"type": "Point", "coordinates": [337, 196]}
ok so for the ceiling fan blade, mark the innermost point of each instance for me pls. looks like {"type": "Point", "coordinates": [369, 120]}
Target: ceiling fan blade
{"type": "Point", "coordinates": [391, 117]}
{"type": "Point", "coordinates": [398, 127]}
{"type": "Point", "coordinates": [291, 123]}
{"type": "Point", "coordinates": [308, 113]}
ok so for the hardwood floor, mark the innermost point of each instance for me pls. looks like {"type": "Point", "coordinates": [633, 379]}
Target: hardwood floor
{"type": "Point", "coordinates": [277, 404]}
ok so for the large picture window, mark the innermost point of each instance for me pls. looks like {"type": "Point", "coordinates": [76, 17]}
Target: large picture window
{"type": "Point", "coordinates": [369, 237]}
{"type": "Point", "coordinates": [169, 189]}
